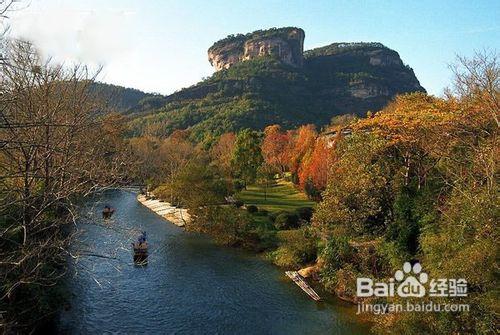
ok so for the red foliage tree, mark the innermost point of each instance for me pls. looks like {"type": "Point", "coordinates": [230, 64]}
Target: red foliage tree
{"type": "Point", "coordinates": [315, 167]}
{"type": "Point", "coordinates": [276, 148]}
{"type": "Point", "coordinates": [303, 146]}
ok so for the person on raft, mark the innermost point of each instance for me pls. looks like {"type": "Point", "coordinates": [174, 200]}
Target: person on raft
{"type": "Point", "coordinates": [142, 238]}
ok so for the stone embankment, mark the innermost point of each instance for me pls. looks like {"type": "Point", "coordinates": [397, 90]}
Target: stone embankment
{"type": "Point", "coordinates": [178, 216]}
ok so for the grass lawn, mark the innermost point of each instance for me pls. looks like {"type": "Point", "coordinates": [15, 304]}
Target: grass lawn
{"type": "Point", "coordinates": [280, 196]}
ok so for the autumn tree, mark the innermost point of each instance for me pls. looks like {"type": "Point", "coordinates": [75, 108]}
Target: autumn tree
{"type": "Point", "coordinates": [196, 185]}
{"type": "Point", "coordinates": [276, 148]}
{"type": "Point", "coordinates": [156, 161]}
{"type": "Point", "coordinates": [175, 153]}
{"type": "Point", "coordinates": [417, 180]}
{"type": "Point", "coordinates": [415, 124]}
{"type": "Point", "coordinates": [146, 164]}
{"type": "Point", "coordinates": [303, 145]}
{"type": "Point", "coordinates": [222, 152]}
{"type": "Point", "coordinates": [357, 193]}
{"type": "Point", "coordinates": [462, 242]}
{"type": "Point", "coordinates": [314, 169]}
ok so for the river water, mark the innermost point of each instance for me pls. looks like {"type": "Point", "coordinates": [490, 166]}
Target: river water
{"type": "Point", "coordinates": [189, 286]}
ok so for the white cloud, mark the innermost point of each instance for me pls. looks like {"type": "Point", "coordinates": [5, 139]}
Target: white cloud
{"type": "Point", "coordinates": [139, 44]}
{"type": "Point", "coordinates": [70, 34]}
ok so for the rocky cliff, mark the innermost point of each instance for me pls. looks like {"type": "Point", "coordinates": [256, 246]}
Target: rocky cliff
{"type": "Point", "coordinates": [285, 44]}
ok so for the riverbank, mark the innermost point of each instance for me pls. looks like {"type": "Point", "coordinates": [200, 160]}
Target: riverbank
{"type": "Point", "coordinates": [178, 216]}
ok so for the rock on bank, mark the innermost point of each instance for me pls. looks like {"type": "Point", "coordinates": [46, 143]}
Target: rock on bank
{"type": "Point", "coordinates": [178, 216]}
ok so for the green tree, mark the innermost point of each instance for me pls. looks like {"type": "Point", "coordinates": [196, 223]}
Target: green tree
{"type": "Point", "coordinates": [225, 224]}
{"type": "Point", "coordinates": [197, 184]}
{"type": "Point", "coordinates": [358, 196]}
{"type": "Point", "coordinates": [265, 177]}
{"type": "Point", "coordinates": [247, 155]}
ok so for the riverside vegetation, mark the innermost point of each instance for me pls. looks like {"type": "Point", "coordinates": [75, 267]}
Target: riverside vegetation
{"type": "Point", "coordinates": [416, 180]}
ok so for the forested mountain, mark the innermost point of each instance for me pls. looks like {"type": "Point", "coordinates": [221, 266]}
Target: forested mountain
{"type": "Point", "coordinates": [265, 78]}
{"type": "Point", "coordinates": [127, 100]}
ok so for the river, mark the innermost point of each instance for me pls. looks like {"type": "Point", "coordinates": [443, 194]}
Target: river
{"type": "Point", "coordinates": [189, 286]}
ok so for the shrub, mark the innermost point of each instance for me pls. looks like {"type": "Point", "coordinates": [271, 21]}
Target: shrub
{"type": "Point", "coordinates": [311, 191]}
{"type": "Point", "coordinates": [252, 209]}
{"type": "Point", "coordinates": [267, 238]}
{"type": "Point", "coordinates": [227, 225]}
{"type": "Point", "coordinates": [336, 253]}
{"type": "Point", "coordinates": [238, 185]}
{"type": "Point", "coordinates": [296, 248]}
{"type": "Point", "coordinates": [263, 212]}
{"type": "Point", "coordinates": [305, 213]}
{"type": "Point", "coordinates": [286, 220]}
{"type": "Point", "coordinates": [274, 215]}
{"type": "Point", "coordinates": [238, 203]}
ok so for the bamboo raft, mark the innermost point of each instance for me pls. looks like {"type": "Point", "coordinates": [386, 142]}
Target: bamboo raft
{"type": "Point", "coordinates": [140, 248]}
{"type": "Point", "coordinates": [297, 278]}
{"type": "Point", "coordinates": [140, 252]}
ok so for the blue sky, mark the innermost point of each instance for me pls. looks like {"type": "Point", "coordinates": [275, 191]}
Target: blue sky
{"type": "Point", "coordinates": [161, 46]}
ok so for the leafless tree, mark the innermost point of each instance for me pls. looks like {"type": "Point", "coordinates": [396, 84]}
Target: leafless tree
{"type": "Point", "coordinates": [479, 77]}
{"type": "Point", "coordinates": [7, 6]}
{"type": "Point", "coordinates": [56, 144]}
{"type": "Point", "coordinates": [476, 88]}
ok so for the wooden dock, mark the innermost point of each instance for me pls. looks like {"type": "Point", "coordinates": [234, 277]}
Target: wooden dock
{"type": "Point", "coordinates": [297, 278]}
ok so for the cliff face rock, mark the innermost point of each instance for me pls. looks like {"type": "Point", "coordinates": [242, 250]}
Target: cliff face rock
{"type": "Point", "coordinates": [364, 71]}
{"type": "Point", "coordinates": [226, 55]}
{"type": "Point", "coordinates": [363, 90]}
{"type": "Point", "coordinates": [285, 44]}
{"type": "Point", "coordinates": [382, 57]}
